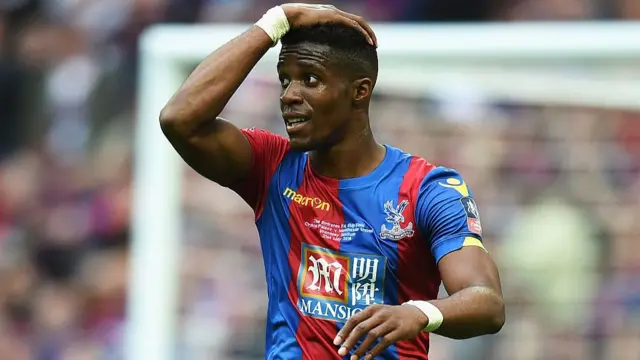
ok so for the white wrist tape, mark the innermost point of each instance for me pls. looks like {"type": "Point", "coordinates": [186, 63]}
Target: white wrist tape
{"type": "Point", "coordinates": [431, 311]}
{"type": "Point", "coordinates": [275, 23]}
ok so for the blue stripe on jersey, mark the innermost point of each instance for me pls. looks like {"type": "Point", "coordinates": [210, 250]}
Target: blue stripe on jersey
{"type": "Point", "coordinates": [282, 317]}
{"type": "Point", "coordinates": [367, 195]}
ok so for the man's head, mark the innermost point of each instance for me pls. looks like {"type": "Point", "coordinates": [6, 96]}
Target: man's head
{"type": "Point", "coordinates": [327, 73]}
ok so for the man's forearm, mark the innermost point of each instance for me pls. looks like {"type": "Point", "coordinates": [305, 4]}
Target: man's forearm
{"type": "Point", "coordinates": [471, 312]}
{"type": "Point", "coordinates": [207, 90]}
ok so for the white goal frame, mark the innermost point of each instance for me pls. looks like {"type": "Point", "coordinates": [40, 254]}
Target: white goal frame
{"type": "Point", "coordinates": [167, 50]}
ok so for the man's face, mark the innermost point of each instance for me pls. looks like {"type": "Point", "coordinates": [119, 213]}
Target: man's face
{"type": "Point", "coordinates": [316, 102]}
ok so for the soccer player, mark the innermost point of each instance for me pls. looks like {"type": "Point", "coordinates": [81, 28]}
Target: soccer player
{"type": "Point", "coordinates": [356, 236]}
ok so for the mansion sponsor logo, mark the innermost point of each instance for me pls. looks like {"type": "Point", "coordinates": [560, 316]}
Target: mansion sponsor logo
{"type": "Point", "coordinates": [334, 285]}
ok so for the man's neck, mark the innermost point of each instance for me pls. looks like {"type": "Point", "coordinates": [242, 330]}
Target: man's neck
{"type": "Point", "coordinates": [350, 159]}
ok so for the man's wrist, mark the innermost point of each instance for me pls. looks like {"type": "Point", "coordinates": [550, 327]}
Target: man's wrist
{"type": "Point", "coordinates": [432, 314]}
{"type": "Point", "coordinates": [420, 316]}
{"type": "Point", "coordinates": [275, 23]}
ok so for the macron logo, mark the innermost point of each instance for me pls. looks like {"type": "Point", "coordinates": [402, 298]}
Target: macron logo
{"type": "Point", "coordinates": [300, 199]}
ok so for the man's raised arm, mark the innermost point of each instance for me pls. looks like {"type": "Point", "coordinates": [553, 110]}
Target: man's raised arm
{"type": "Point", "coordinates": [214, 147]}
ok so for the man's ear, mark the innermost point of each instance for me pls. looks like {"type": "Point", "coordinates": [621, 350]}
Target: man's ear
{"type": "Point", "coordinates": [362, 90]}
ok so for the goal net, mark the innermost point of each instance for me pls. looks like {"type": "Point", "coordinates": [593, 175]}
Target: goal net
{"type": "Point", "coordinates": [541, 119]}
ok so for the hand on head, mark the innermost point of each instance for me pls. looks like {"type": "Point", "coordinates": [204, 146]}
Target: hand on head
{"type": "Point", "coordinates": [299, 14]}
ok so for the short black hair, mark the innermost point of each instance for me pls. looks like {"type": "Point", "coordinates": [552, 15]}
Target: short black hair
{"type": "Point", "coordinates": [349, 47]}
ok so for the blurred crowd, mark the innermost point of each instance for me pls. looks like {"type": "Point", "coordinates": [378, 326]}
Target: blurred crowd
{"type": "Point", "coordinates": [559, 190]}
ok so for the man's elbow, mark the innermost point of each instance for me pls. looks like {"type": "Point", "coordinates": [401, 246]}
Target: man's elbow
{"type": "Point", "coordinates": [176, 122]}
{"type": "Point", "coordinates": [169, 117]}
{"type": "Point", "coordinates": [180, 109]}
{"type": "Point", "coordinates": [498, 317]}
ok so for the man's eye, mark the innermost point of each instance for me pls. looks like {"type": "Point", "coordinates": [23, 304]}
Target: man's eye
{"type": "Point", "coordinates": [311, 80]}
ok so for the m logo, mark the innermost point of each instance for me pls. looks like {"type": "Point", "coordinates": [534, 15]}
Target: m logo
{"type": "Point", "coordinates": [335, 285]}
{"type": "Point", "coordinates": [327, 277]}
{"type": "Point", "coordinates": [395, 217]}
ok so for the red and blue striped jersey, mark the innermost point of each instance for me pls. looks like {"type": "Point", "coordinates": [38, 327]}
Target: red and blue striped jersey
{"type": "Point", "coordinates": [333, 247]}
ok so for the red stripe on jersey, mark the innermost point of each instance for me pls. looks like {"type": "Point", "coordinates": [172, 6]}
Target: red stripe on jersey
{"type": "Point", "coordinates": [314, 336]}
{"type": "Point", "coordinates": [418, 274]}
{"type": "Point", "coordinates": [267, 151]}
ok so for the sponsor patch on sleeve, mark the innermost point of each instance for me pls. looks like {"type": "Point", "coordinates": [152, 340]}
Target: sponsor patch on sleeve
{"type": "Point", "coordinates": [473, 216]}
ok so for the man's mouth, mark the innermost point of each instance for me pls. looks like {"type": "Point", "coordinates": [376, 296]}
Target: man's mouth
{"type": "Point", "coordinates": [297, 120]}
{"type": "Point", "coordinates": [296, 123]}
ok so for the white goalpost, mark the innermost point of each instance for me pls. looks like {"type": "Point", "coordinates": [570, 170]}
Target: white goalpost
{"type": "Point", "coordinates": [530, 63]}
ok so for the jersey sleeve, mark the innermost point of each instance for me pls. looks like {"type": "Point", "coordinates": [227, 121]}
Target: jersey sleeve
{"type": "Point", "coordinates": [267, 150]}
{"type": "Point", "coordinates": [446, 213]}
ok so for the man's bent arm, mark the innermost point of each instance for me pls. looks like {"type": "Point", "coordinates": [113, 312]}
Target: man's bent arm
{"type": "Point", "coordinates": [447, 213]}
{"type": "Point", "coordinates": [475, 306]}
{"type": "Point", "coordinates": [211, 146]}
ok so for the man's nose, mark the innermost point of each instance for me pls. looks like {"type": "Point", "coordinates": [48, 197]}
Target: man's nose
{"type": "Point", "coordinates": [291, 94]}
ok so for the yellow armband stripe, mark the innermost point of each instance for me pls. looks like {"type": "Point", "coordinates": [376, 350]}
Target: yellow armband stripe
{"type": "Point", "coordinates": [471, 241]}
